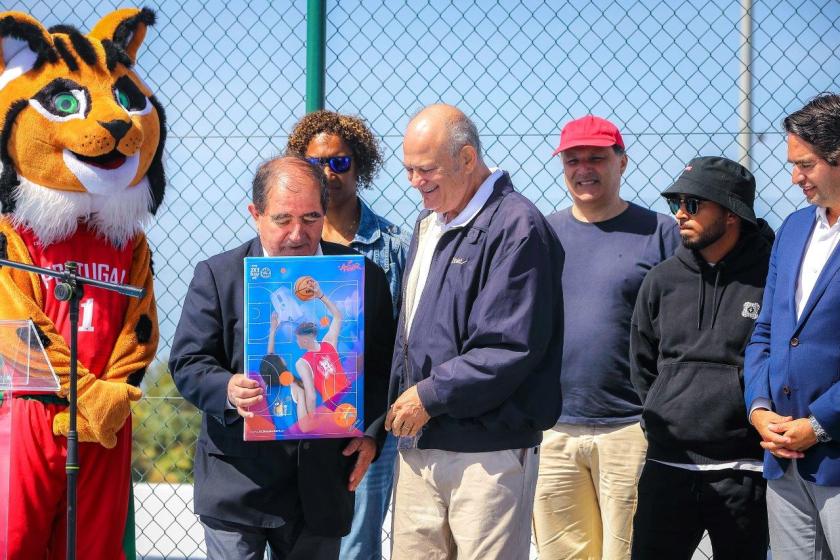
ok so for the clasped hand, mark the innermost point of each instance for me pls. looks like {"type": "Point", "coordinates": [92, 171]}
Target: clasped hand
{"type": "Point", "coordinates": [783, 436]}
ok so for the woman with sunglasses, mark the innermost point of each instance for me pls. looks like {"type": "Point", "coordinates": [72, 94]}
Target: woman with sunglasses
{"type": "Point", "coordinates": [350, 155]}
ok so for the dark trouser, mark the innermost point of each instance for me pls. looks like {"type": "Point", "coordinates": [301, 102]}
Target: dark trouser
{"type": "Point", "coordinates": [676, 505]}
{"type": "Point", "coordinates": [293, 541]}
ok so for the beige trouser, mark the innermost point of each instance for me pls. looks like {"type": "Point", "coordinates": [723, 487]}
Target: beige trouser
{"type": "Point", "coordinates": [586, 491]}
{"type": "Point", "coordinates": [469, 506]}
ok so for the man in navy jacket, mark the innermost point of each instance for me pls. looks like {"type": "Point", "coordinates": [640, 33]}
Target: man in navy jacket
{"type": "Point", "coordinates": [792, 364]}
{"type": "Point", "coordinates": [475, 377]}
{"type": "Point", "coordinates": [295, 496]}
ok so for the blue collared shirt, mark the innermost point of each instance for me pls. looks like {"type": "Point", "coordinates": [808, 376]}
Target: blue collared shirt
{"type": "Point", "coordinates": [386, 245]}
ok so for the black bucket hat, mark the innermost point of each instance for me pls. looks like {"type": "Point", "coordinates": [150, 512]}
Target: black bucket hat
{"type": "Point", "coordinates": [720, 180]}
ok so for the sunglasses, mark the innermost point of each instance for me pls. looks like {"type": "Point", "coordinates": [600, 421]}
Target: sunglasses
{"type": "Point", "coordinates": [692, 205]}
{"type": "Point", "coordinates": [338, 164]}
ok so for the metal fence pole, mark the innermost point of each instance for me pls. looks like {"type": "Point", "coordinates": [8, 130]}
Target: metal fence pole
{"type": "Point", "coordinates": [745, 86]}
{"type": "Point", "coordinates": [316, 32]}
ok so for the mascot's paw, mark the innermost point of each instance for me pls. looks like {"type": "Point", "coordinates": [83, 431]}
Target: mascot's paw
{"type": "Point", "coordinates": [61, 427]}
{"type": "Point", "coordinates": [103, 409]}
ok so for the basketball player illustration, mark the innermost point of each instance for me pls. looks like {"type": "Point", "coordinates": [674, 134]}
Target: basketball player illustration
{"type": "Point", "coordinates": [275, 372]}
{"type": "Point", "coordinates": [320, 363]}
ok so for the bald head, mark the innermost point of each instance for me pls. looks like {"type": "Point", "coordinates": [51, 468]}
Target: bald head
{"type": "Point", "coordinates": [290, 172]}
{"type": "Point", "coordinates": [449, 125]}
{"type": "Point", "coordinates": [441, 154]}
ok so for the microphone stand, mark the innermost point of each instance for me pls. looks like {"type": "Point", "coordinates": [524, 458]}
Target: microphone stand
{"type": "Point", "coordinates": [70, 288]}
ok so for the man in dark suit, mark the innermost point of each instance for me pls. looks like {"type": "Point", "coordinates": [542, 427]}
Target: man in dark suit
{"type": "Point", "coordinates": [295, 496]}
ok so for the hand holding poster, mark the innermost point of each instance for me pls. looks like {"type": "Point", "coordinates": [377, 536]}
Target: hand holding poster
{"type": "Point", "coordinates": [304, 341]}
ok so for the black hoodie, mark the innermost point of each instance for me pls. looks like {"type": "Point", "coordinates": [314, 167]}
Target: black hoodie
{"type": "Point", "coordinates": [689, 330]}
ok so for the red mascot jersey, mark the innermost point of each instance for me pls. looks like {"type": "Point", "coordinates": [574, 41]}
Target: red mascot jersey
{"type": "Point", "coordinates": [37, 498]}
{"type": "Point", "coordinates": [101, 312]}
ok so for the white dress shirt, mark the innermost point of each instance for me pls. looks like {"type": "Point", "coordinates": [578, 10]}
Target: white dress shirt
{"type": "Point", "coordinates": [823, 240]}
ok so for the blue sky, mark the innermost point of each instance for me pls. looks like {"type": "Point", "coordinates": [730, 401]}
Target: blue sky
{"type": "Point", "coordinates": [231, 76]}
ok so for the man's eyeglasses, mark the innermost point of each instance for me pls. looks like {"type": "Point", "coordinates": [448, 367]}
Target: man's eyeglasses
{"type": "Point", "coordinates": [338, 164]}
{"type": "Point", "coordinates": [692, 204]}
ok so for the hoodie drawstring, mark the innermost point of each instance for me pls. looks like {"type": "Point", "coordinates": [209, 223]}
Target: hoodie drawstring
{"type": "Point", "coordinates": [714, 295]}
{"type": "Point", "coordinates": [701, 297]}
{"type": "Point", "coordinates": [723, 286]}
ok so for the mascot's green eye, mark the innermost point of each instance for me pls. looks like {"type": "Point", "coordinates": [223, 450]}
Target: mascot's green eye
{"type": "Point", "coordinates": [62, 100]}
{"type": "Point", "coordinates": [129, 97]}
{"type": "Point", "coordinates": [66, 103]}
{"type": "Point", "coordinates": [123, 99]}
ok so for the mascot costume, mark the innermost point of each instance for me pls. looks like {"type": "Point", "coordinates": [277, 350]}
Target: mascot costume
{"type": "Point", "coordinates": [81, 140]}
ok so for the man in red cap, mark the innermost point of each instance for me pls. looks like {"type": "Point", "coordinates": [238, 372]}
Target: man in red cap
{"type": "Point", "coordinates": [591, 459]}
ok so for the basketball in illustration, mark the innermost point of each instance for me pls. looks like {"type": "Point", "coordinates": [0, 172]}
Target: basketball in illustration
{"type": "Point", "coordinates": [286, 378]}
{"type": "Point", "coordinates": [345, 415]}
{"type": "Point", "coordinates": [305, 288]}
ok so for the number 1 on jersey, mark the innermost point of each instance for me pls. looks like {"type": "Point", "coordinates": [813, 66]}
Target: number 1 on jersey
{"type": "Point", "coordinates": [87, 315]}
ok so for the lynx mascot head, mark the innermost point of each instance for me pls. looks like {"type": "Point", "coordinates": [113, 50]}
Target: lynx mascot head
{"type": "Point", "coordinates": [82, 135]}
{"type": "Point", "coordinates": [81, 140]}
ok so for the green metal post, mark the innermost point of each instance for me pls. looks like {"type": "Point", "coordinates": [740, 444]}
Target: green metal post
{"type": "Point", "coordinates": [316, 39]}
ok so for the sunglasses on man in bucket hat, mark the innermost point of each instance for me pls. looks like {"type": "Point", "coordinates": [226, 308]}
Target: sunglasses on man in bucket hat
{"type": "Point", "coordinates": [717, 179]}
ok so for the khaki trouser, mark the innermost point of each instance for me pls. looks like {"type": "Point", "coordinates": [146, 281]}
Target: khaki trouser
{"type": "Point", "coordinates": [463, 505]}
{"type": "Point", "coordinates": [586, 491]}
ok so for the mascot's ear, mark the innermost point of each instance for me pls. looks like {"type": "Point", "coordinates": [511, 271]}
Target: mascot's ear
{"type": "Point", "coordinates": [24, 44]}
{"type": "Point", "coordinates": [125, 28]}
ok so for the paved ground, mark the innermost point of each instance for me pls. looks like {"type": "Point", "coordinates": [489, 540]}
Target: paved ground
{"type": "Point", "coordinates": [167, 528]}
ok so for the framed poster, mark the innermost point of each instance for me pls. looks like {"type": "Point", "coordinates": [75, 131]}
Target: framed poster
{"type": "Point", "coordinates": [304, 344]}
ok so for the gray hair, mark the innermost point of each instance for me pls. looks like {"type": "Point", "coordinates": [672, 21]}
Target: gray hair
{"type": "Point", "coordinates": [271, 171]}
{"type": "Point", "coordinates": [463, 132]}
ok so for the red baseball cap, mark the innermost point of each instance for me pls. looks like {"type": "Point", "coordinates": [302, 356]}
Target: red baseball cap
{"type": "Point", "coordinates": [589, 131]}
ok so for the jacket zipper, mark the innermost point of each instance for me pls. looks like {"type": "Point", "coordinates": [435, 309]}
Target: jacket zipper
{"type": "Point", "coordinates": [404, 334]}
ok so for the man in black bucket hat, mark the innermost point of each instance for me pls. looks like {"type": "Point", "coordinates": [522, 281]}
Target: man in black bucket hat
{"type": "Point", "coordinates": [719, 180]}
{"type": "Point", "coordinates": [692, 320]}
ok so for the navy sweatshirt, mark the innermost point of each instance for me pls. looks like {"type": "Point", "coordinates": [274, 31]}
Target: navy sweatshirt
{"type": "Point", "coordinates": [605, 265]}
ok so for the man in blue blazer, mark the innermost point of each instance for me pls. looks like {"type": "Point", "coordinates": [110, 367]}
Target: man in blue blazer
{"type": "Point", "coordinates": [792, 364]}
{"type": "Point", "coordinates": [295, 496]}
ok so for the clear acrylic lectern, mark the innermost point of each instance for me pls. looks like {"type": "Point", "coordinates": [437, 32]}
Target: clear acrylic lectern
{"type": "Point", "coordinates": [24, 368]}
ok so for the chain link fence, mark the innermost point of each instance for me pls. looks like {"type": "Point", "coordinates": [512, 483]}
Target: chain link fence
{"type": "Point", "coordinates": [231, 76]}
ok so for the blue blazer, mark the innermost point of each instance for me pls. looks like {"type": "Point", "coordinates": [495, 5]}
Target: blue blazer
{"type": "Point", "coordinates": [796, 363]}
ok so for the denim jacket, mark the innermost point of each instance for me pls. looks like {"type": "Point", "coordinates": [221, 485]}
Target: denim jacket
{"type": "Point", "coordinates": [386, 245]}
